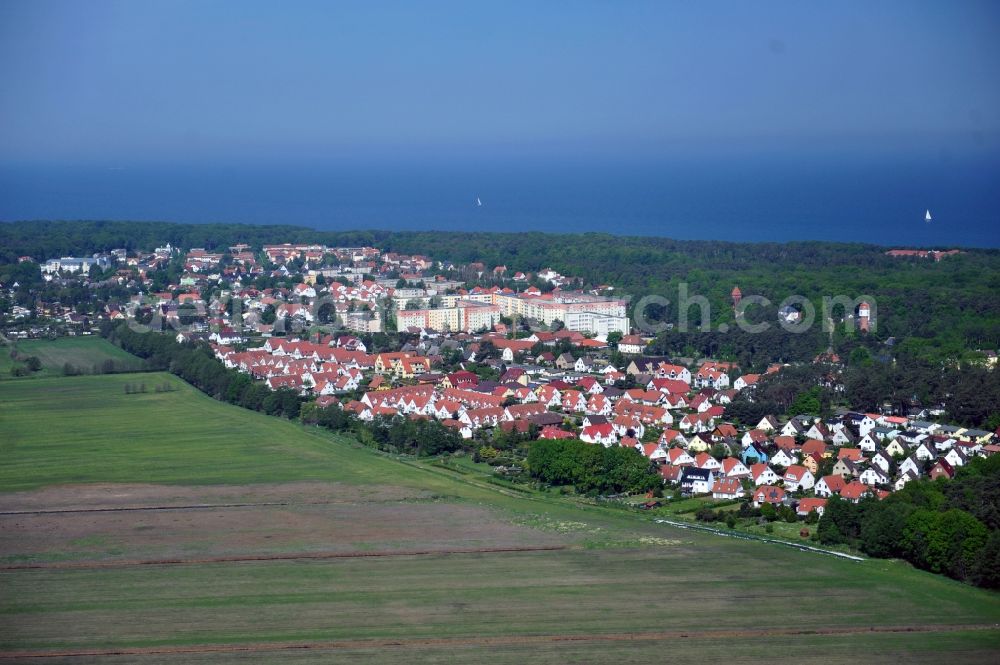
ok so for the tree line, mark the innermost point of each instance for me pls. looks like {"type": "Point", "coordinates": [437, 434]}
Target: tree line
{"type": "Point", "coordinates": [591, 469]}
{"type": "Point", "coordinates": [195, 364]}
{"type": "Point", "coordinates": [407, 436]}
{"type": "Point", "coordinates": [951, 527]}
{"type": "Point", "coordinates": [970, 393]}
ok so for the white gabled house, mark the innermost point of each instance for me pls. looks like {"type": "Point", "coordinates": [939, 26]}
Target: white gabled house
{"type": "Point", "coordinates": [711, 378]}
{"type": "Point", "coordinates": [798, 478]}
{"type": "Point", "coordinates": [762, 474]}
{"type": "Point", "coordinates": [484, 417]}
{"type": "Point", "coordinates": [843, 437]}
{"type": "Point", "coordinates": [827, 486]}
{"type": "Point", "coordinates": [732, 467]}
{"type": "Point", "coordinates": [727, 488]}
{"type": "Point", "coordinates": [679, 457]}
{"type": "Point", "coordinates": [754, 436]}
{"type": "Point", "coordinates": [784, 458]}
{"type": "Point", "coordinates": [623, 424]}
{"type": "Point", "coordinates": [944, 444]}
{"type": "Point", "coordinates": [677, 372]}
{"type": "Point", "coordinates": [882, 461]}
{"type": "Point", "coordinates": [653, 452]}
{"type": "Point", "coordinates": [895, 448]}
{"type": "Point", "coordinates": [868, 443]}
{"type": "Point", "coordinates": [696, 481]}
{"type": "Point", "coordinates": [955, 458]}
{"type": "Point", "coordinates": [818, 431]}
{"type": "Point", "coordinates": [903, 478]}
{"type": "Point", "coordinates": [873, 476]}
{"type": "Point", "coordinates": [672, 437]}
{"type": "Point", "coordinates": [911, 465]}
{"type": "Point", "coordinates": [603, 434]}
{"type": "Point", "coordinates": [794, 427]}
{"type": "Point", "coordinates": [549, 396]}
{"type": "Point", "coordinates": [706, 461]}
{"type": "Point", "coordinates": [923, 452]}
{"type": "Point", "coordinates": [768, 424]}
{"type": "Point", "coordinates": [866, 425]}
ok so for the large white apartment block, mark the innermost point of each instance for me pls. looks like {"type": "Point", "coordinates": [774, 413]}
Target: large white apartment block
{"type": "Point", "coordinates": [465, 316]}
{"type": "Point", "coordinates": [596, 324]}
{"type": "Point", "coordinates": [362, 322]}
{"type": "Point", "coordinates": [578, 311]}
{"type": "Point", "coordinates": [559, 307]}
{"type": "Point", "coordinates": [73, 264]}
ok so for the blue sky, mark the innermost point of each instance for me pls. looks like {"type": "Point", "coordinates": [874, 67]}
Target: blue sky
{"type": "Point", "coordinates": [102, 81]}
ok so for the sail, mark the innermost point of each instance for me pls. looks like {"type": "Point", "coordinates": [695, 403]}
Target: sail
{"type": "Point", "coordinates": [927, 217]}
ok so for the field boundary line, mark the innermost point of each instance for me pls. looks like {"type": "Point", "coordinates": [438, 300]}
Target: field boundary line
{"type": "Point", "coordinates": [467, 479]}
{"type": "Point", "coordinates": [193, 506]}
{"type": "Point", "coordinates": [298, 556]}
{"type": "Point", "coordinates": [763, 539]}
{"type": "Point", "coordinates": [487, 641]}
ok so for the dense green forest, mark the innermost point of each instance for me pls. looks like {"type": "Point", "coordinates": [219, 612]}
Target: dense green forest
{"type": "Point", "coordinates": [944, 526]}
{"type": "Point", "coordinates": [969, 394]}
{"type": "Point", "coordinates": [937, 310]}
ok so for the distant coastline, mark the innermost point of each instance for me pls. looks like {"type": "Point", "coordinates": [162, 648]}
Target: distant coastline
{"type": "Point", "coordinates": [383, 231]}
{"type": "Point", "coordinates": [729, 200]}
{"type": "Point", "coordinates": [306, 233]}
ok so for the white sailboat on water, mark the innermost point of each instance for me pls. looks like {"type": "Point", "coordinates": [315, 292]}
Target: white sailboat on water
{"type": "Point", "coordinates": [927, 217]}
{"type": "Point", "coordinates": [479, 204]}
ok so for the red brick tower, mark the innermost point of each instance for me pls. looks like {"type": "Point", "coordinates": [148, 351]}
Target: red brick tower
{"type": "Point", "coordinates": [864, 316]}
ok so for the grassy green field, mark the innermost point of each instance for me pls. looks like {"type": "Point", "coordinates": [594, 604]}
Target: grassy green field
{"type": "Point", "coordinates": [84, 353]}
{"type": "Point", "coordinates": [6, 362]}
{"type": "Point", "coordinates": [106, 435]}
{"type": "Point", "coordinates": [621, 589]}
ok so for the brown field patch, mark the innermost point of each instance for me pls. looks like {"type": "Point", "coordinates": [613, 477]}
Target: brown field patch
{"type": "Point", "coordinates": [300, 556]}
{"type": "Point", "coordinates": [110, 496]}
{"type": "Point", "coordinates": [491, 641]}
{"type": "Point", "coordinates": [139, 523]}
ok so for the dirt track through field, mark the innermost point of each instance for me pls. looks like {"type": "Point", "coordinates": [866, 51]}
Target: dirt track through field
{"type": "Point", "coordinates": [193, 506]}
{"type": "Point", "coordinates": [275, 557]}
{"type": "Point", "coordinates": [504, 640]}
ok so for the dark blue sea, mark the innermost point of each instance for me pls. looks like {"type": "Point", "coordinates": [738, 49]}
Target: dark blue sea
{"type": "Point", "coordinates": [878, 201]}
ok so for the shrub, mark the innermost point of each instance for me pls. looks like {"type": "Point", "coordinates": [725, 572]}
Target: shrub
{"type": "Point", "coordinates": [705, 515]}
